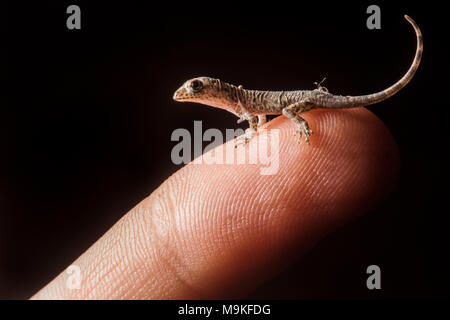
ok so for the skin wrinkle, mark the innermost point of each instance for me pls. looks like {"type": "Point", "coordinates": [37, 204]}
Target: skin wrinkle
{"type": "Point", "coordinates": [246, 215]}
{"type": "Point", "coordinates": [110, 264]}
{"type": "Point", "coordinates": [265, 214]}
{"type": "Point", "coordinates": [115, 265]}
{"type": "Point", "coordinates": [174, 261]}
{"type": "Point", "coordinates": [229, 221]}
{"type": "Point", "coordinates": [99, 285]}
{"type": "Point", "coordinates": [256, 205]}
{"type": "Point", "coordinates": [146, 252]}
{"type": "Point", "coordinates": [136, 259]}
{"type": "Point", "coordinates": [209, 218]}
{"type": "Point", "coordinates": [190, 221]}
{"type": "Point", "coordinates": [201, 244]}
{"type": "Point", "coordinates": [145, 238]}
{"type": "Point", "coordinates": [337, 194]}
{"type": "Point", "coordinates": [225, 231]}
{"type": "Point", "coordinates": [90, 275]}
{"type": "Point", "coordinates": [263, 191]}
{"type": "Point", "coordinates": [311, 177]}
{"type": "Point", "coordinates": [331, 144]}
{"type": "Point", "coordinates": [137, 249]}
{"type": "Point", "coordinates": [167, 254]}
{"type": "Point", "coordinates": [174, 265]}
{"type": "Point", "coordinates": [155, 209]}
{"type": "Point", "coordinates": [145, 276]}
{"type": "Point", "coordinates": [289, 176]}
{"type": "Point", "coordinates": [210, 215]}
{"type": "Point", "coordinates": [177, 232]}
{"type": "Point", "coordinates": [235, 227]}
{"type": "Point", "coordinates": [183, 225]}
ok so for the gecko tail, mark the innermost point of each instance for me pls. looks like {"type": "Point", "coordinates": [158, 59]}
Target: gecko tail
{"type": "Point", "coordinates": [365, 100]}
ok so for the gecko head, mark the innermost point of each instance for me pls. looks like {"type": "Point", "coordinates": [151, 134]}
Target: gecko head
{"type": "Point", "coordinates": [200, 90]}
{"type": "Point", "coordinates": [208, 91]}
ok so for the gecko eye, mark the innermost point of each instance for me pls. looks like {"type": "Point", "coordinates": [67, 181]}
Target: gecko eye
{"type": "Point", "coordinates": [196, 85]}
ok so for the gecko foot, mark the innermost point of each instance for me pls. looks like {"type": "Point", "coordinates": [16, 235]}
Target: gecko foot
{"type": "Point", "coordinates": [240, 120]}
{"type": "Point", "coordinates": [245, 138]}
{"type": "Point", "coordinates": [303, 128]}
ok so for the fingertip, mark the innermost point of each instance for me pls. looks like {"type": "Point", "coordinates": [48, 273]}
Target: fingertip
{"type": "Point", "coordinates": [242, 222]}
{"type": "Point", "coordinates": [218, 230]}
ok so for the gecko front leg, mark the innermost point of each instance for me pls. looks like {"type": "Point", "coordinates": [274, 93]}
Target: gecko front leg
{"type": "Point", "coordinates": [293, 112]}
{"type": "Point", "coordinates": [255, 123]}
{"type": "Point", "coordinates": [261, 120]}
{"type": "Point", "coordinates": [250, 132]}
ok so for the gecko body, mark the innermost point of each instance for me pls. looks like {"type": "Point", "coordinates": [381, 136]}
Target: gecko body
{"type": "Point", "coordinates": [254, 105]}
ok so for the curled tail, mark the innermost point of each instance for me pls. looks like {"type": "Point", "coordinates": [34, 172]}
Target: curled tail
{"type": "Point", "coordinates": [360, 101]}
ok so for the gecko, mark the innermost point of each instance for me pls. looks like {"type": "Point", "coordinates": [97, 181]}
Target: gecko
{"type": "Point", "coordinates": [254, 105]}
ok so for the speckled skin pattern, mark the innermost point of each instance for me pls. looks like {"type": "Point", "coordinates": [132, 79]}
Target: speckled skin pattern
{"type": "Point", "coordinates": [253, 105]}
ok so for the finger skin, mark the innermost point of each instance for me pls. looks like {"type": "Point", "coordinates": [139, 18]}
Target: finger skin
{"type": "Point", "coordinates": [217, 231]}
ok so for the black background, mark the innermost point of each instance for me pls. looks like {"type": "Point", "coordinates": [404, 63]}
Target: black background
{"type": "Point", "coordinates": [87, 122]}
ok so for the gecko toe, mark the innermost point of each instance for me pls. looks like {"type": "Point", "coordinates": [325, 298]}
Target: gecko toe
{"type": "Point", "coordinates": [245, 138]}
{"type": "Point", "coordinates": [303, 129]}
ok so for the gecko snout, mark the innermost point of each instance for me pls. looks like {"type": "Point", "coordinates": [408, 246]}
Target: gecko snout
{"type": "Point", "coordinates": [189, 90]}
{"type": "Point", "coordinates": [175, 95]}
{"type": "Point", "coordinates": [181, 94]}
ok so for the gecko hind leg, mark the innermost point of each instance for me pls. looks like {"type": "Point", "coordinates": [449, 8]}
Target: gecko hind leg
{"type": "Point", "coordinates": [293, 112]}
